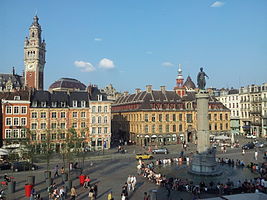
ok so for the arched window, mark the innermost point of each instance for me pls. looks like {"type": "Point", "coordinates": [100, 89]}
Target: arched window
{"type": "Point", "coordinates": [32, 34]}
{"type": "Point", "coordinates": [105, 119]}
{"type": "Point", "coordinates": [99, 120]}
{"type": "Point", "coordinates": [93, 119]}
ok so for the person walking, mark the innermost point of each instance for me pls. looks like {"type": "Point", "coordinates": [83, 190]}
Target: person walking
{"type": "Point", "coordinates": [110, 197]}
{"type": "Point", "coordinates": [256, 155]}
{"type": "Point", "coordinates": [56, 171]}
{"type": "Point", "coordinates": [73, 193]}
{"type": "Point", "coordinates": [95, 190]}
{"type": "Point", "coordinates": [91, 194]}
{"type": "Point", "coordinates": [243, 152]}
{"type": "Point", "coordinates": [62, 193]}
{"type": "Point", "coordinates": [133, 182]}
{"type": "Point", "coordinates": [146, 196]}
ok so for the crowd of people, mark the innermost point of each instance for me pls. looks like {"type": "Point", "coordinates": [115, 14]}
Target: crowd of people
{"type": "Point", "coordinates": [148, 170]}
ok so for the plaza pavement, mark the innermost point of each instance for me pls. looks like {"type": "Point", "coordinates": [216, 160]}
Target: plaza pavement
{"type": "Point", "coordinates": [111, 170]}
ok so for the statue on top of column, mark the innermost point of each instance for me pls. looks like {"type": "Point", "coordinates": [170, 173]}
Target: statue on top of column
{"type": "Point", "coordinates": [201, 82]}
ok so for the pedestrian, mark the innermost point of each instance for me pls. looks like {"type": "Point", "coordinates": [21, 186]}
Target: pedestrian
{"type": "Point", "coordinates": [33, 193]}
{"type": "Point", "coordinates": [129, 183]}
{"type": "Point", "coordinates": [73, 193]}
{"type": "Point", "coordinates": [133, 182]}
{"type": "Point", "coordinates": [110, 195]}
{"type": "Point", "coordinates": [243, 152]}
{"type": "Point", "coordinates": [146, 196]}
{"type": "Point", "coordinates": [91, 194]}
{"type": "Point", "coordinates": [62, 170]}
{"type": "Point", "coordinates": [256, 154]}
{"type": "Point", "coordinates": [62, 193]}
{"type": "Point", "coordinates": [95, 190]}
{"type": "Point", "coordinates": [56, 171]}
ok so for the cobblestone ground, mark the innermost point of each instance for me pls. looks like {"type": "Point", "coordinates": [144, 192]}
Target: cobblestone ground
{"type": "Point", "coordinates": [111, 170]}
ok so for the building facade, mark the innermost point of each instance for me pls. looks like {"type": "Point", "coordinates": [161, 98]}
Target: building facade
{"type": "Point", "coordinates": [231, 100]}
{"type": "Point", "coordinates": [15, 109]}
{"type": "Point", "coordinates": [158, 117]}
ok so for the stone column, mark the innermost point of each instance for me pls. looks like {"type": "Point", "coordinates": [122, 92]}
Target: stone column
{"type": "Point", "coordinates": [203, 137]}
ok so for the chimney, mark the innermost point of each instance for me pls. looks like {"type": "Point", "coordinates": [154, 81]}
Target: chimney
{"type": "Point", "coordinates": [137, 90]}
{"type": "Point", "coordinates": [163, 89]}
{"type": "Point", "coordinates": [149, 88]}
{"type": "Point", "coordinates": [125, 93]}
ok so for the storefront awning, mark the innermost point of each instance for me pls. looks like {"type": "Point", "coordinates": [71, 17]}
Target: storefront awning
{"type": "Point", "coordinates": [153, 136]}
{"type": "Point", "coordinates": [147, 136]}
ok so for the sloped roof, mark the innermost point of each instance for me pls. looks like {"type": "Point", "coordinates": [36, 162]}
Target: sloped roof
{"type": "Point", "coordinates": [189, 84]}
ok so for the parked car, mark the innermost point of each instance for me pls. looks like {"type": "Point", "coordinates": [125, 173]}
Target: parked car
{"type": "Point", "coordinates": [259, 145]}
{"type": "Point", "coordinates": [23, 166]}
{"type": "Point", "coordinates": [251, 136]}
{"type": "Point", "coordinates": [160, 150]}
{"type": "Point", "coordinates": [250, 145]}
{"type": "Point", "coordinates": [5, 165]}
{"type": "Point", "coordinates": [143, 156]}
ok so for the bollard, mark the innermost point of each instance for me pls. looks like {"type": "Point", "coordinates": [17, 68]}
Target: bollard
{"type": "Point", "coordinates": [11, 187]}
{"type": "Point", "coordinates": [153, 195]}
{"type": "Point", "coordinates": [47, 174]}
{"type": "Point", "coordinates": [49, 181]}
{"type": "Point", "coordinates": [68, 184]}
{"type": "Point", "coordinates": [64, 177]}
{"type": "Point", "coordinates": [31, 180]}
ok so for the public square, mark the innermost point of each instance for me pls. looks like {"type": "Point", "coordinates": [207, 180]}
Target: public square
{"type": "Point", "coordinates": [111, 170]}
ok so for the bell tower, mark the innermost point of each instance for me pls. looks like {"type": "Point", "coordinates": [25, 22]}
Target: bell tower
{"type": "Point", "coordinates": [34, 57]}
{"type": "Point", "coordinates": [179, 88]}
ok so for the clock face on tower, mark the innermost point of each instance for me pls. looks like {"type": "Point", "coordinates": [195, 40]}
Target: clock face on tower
{"type": "Point", "coordinates": [30, 66]}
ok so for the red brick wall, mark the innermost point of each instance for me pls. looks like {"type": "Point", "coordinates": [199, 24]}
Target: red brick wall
{"type": "Point", "coordinates": [30, 79]}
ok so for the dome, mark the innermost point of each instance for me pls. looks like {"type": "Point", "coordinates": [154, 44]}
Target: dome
{"type": "Point", "coordinates": [189, 84]}
{"type": "Point", "coordinates": [67, 84]}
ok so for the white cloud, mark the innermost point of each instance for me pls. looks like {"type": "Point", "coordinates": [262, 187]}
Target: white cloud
{"type": "Point", "coordinates": [84, 66]}
{"type": "Point", "coordinates": [106, 63]}
{"type": "Point", "coordinates": [217, 4]}
{"type": "Point", "coordinates": [98, 39]}
{"type": "Point", "coordinates": [167, 64]}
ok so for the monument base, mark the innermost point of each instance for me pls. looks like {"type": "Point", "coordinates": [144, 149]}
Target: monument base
{"type": "Point", "coordinates": [205, 164]}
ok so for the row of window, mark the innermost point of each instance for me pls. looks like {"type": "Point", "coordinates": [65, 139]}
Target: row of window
{"type": "Point", "coordinates": [99, 130]}
{"type": "Point", "coordinates": [57, 115]}
{"type": "Point", "coordinates": [173, 128]}
{"type": "Point", "coordinates": [99, 109]}
{"type": "Point", "coordinates": [16, 121]}
{"type": "Point", "coordinates": [15, 133]}
{"type": "Point", "coordinates": [99, 119]}
{"type": "Point", "coordinates": [16, 110]}
{"type": "Point", "coordinates": [43, 125]}
{"type": "Point", "coordinates": [218, 117]}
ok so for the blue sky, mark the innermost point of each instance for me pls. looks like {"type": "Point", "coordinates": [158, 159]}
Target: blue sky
{"type": "Point", "coordinates": [134, 43]}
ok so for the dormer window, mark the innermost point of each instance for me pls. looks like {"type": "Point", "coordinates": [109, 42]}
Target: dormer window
{"type": "Point", "coordinates": [83, 104]}
{"type": "Point", "coordinates": [43, 104]}
{"type": "Point", "coordinates": [63, 104]}
{"type": "Point", "coordinates": [74, 103]}
{"type": "Point", "coordinates": [16, 97]}
{"type": "Point", "coordinates": [54, 104]}
{"type": "Point", "coordinates": [99, 97]}
{"type": "Point", "coordinates": [34, 104]}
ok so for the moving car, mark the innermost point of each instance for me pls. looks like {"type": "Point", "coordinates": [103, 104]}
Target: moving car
{"type": "Point", "coordinates": [23, 166]}
{"type": "Point", "coordinates": [160, 150]}
{"type": "Point", "coordinates": [143, 156]}
{"type": "Point", "coordinates": [251, 136]}
{"type": "Point", "coordinates": [250, 145]}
